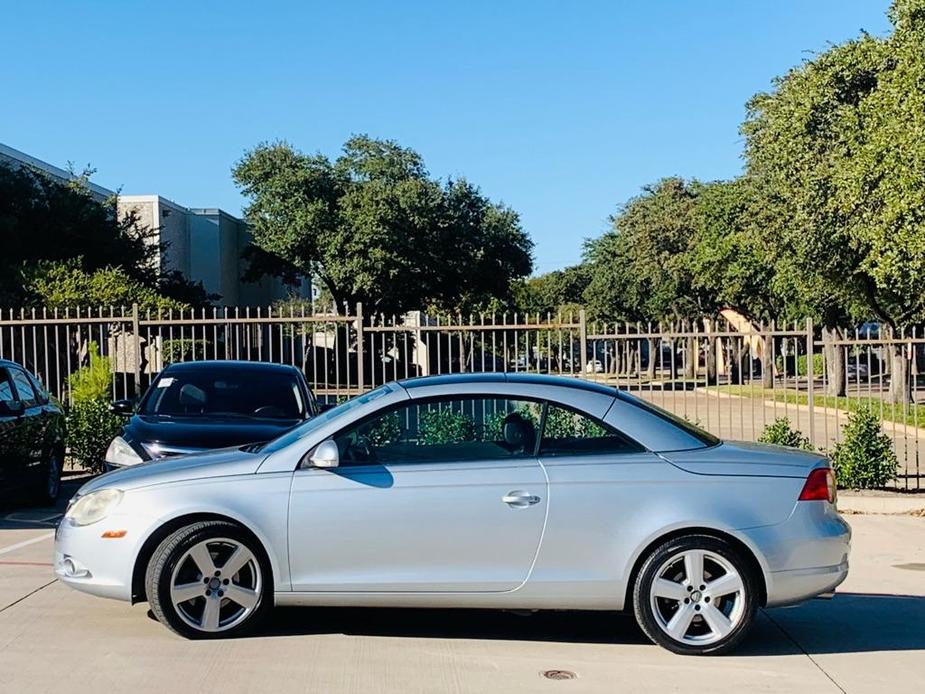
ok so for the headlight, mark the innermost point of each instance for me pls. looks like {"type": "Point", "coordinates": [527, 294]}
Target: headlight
{"type": "Point", "coordinates": [93, 507]}
{"type": "Point", "coordinates": [120, 453]}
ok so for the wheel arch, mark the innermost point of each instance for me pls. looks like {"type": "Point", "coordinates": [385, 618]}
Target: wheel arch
{"type": "Point", "coordinates": [143, 557]}
{"type": "Point", "coordinates": [747, 551]}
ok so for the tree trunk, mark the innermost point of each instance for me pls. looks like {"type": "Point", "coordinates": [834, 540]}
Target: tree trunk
{"type": "Point", "coordinates": [711, 359]}
{"type": "Point", "coordinates": [630, 359]}
{"type": "Point", "coordinates": [767, 361]}
{"type": "Point", "coordinates": [653, 357]}
{"type": "Point", "coordinates": [900, 375]}
{"type": "Point", "coordinates": [690, 358]}
{"type": "Point", "coordinates": [834, 357]}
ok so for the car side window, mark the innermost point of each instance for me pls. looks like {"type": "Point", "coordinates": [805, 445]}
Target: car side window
{"type": "Point", "coordinates": [444, 430]}
{"type": "Point", "coordinates": [39, 389]}
{"type": "Point", "coordinates": [24, 388]}
{"type": "Point", "coordinates": [6, 387]}
{"type": "Point", "coordinates": [568, 432]}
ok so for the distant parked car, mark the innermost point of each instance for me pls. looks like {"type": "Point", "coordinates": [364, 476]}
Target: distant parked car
{"type": "Point", "coordinates": [594, 366]}
{"type": "Point", "coordinates": [198, 406]}
{"type": "Point", "coordinates": [31, 435]}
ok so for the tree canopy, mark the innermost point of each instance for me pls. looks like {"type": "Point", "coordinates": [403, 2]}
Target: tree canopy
{"type": "Point", "coordinates": [374, 227]}
{"type": "Point", "coordinates": [640, 269]}
{"type": "Point", "coordinates": [62, 248]}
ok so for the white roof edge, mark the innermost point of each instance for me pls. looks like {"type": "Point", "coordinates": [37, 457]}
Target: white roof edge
{"type": "Point", "coordinates": [50, 169]}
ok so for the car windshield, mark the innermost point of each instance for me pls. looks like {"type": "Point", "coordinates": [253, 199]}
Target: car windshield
{"type": "Point", "coordinates": [225, 392]}
{"type": "Point", "coordinates": [321, 419]}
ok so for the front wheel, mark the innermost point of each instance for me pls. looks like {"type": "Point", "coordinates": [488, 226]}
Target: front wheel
{"type": "Point", "coordinates": [696, 595]}
{"type": "Point", "coordinates": [209, 580]}
{"type": "Point", "coordinates": [48, 486]}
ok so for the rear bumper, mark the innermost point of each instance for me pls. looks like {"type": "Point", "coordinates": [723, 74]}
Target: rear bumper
{"type": "Point", "coordinates": [798, 585]}
{"type": "Point", "coordinates": [806, 555]}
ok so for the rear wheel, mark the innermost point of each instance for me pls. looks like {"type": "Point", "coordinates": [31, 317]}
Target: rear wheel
{"type": "Point", "coordinates": [209, 580]}
{"type": "Point", "coordinates": [48, 486]}
{"type": "Point", "coordinates": [696, 595]}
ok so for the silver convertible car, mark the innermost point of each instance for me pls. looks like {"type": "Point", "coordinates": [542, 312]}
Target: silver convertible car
{"type": "Point", "coordinates": [505, 491]}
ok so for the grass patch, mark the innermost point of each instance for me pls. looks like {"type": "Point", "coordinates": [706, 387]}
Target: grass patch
{"type": "Point", "coordinates": [913, 415]}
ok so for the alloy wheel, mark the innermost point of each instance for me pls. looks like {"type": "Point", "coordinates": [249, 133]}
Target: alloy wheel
{"type": "Point", "coordinates": [698, 597]}
{"type": "Point", "coordinates": [216, 585]}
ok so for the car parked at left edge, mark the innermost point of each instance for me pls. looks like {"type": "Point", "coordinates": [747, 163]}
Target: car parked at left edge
{"type": "Point", "coordinates": [32, 435]}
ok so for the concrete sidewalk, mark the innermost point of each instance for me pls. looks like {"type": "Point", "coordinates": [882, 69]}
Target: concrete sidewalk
{"type": "Point", "coordinates": [870, 638]}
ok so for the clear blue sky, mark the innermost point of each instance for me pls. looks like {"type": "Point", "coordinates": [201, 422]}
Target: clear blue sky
{"type": "Point", "coordinates": [562, 110]}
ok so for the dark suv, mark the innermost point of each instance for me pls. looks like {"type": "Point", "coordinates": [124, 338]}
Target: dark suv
{"type": "Point", "coordinates": [31, 435]}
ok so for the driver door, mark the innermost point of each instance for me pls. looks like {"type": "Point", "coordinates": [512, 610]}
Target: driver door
{"type": "Point", "coordinates": [428, 497]}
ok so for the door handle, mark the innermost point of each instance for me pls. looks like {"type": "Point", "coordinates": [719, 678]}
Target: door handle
{"type": "Point", "coordinates": [520, 499]}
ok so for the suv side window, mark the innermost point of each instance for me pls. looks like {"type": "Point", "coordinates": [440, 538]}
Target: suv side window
{"type": "Point", "coordinates": [567, 432]}
{"type": "Point", "coordinates": [444, 430]}
{"type": "Point", "coordinates": [24, 388]}
{"type": "Point", "coordinates": [6, 387]}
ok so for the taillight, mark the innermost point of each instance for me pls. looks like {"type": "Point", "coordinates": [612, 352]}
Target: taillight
{"type": "Point", "coordinates": [820, 486]}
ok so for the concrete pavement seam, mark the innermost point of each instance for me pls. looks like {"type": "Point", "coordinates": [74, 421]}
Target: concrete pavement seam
{"type": "Point", "coordinates": [803, 651]}
{"type": "Point", "coordinates": [27, 595]}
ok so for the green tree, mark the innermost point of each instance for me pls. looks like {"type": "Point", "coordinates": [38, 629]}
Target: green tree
{"type": "Point", "coordinates": [64, 283]}
{"type": "Point", "coordinates": [63, 247]}
{"type": "Point", "coordinates": [839, 144]}
{"type": "Point", "coordinates": [374, 227]}
{"type": "Point", "coordinates": [640, 270]}
{"type": "Point", "coordinates": [559, 291]}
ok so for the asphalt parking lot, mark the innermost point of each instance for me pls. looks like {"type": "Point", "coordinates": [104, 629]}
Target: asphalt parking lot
{"type": "Point", "coordinates": [871, 637]}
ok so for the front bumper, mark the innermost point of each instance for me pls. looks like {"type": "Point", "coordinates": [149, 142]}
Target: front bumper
{"type": "Point", "coordinates": [88, 562]}
{"type": "Point", "coordinates": [806, 555]}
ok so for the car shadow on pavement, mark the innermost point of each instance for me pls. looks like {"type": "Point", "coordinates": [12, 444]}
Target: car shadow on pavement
{"type": "Point", "coordinates": [19, 514]}
{"type": "Point", "coordinates": [855, 623]}
{"type": "Point", "coordinates": [566, 627]}
{"type": "Point", "coordinates": [851, 623]}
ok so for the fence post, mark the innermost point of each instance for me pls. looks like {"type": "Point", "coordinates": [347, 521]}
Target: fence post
{"type": "Point", "coordinates": [583, 340]}
{"type": "Point", "coordinates": [136, 339]}
{"type": "Point", "coordinates": [361, 355]}
{"type": "Point", "coordinates": [810, 385]}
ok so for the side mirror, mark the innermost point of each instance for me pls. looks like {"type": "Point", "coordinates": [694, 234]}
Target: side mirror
{"type": "Point", "coordinates": [325, 455]}
{"type": "Point", "coordinates": [124, 408]}
{"type": "Point", "coordinates": [11, 408]}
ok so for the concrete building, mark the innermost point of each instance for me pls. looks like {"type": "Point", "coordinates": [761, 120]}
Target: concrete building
{"type": "Point", "coordinates": [203, 244]}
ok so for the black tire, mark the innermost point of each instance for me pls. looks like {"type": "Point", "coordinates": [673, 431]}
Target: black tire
{"type": "Point", "coordinates": [171, 551]}
{"type": "Point", "coordinates": [644, 611]}
{"type": "Point", "coordinates": [48, 487]}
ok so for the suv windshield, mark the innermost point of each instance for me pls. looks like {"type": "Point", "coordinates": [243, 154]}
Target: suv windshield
{"type": "Point", "coordinates": [225, 392]}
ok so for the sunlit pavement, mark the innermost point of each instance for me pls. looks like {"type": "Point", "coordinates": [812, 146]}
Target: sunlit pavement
{"type": "Point", "coordinates": [870, 638]}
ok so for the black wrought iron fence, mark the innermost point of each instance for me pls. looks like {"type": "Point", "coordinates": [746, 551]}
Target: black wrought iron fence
{"type": "Point", "coordinates": [729, 376]}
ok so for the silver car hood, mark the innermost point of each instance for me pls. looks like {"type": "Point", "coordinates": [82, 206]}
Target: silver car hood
{"type": "Point", "coordinates": [743, 458]}
{"type": "Point", "coordinates": [218, 463]}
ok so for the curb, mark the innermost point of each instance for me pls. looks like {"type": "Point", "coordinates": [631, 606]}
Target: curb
{"type": "Point", "coordinates": [899, 504]}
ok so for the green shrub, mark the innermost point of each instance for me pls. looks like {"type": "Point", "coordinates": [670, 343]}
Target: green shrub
{"type": "Point", "coordinates": [864, 458]}
{"type": "Point", "coordinates": [90, 424]}
{"type": "Point", "coordinates": [94, 381]}
{"type": "Point", "coordinates": [185, 349]}
{"type": "Point", "coordinates": [780, 434]}
{"type": "Point", "coordinates": [818, 364]}
{"type": "Point", "coordinates": [386, 430]}
{"type": "Point", "coordinates": [445, 426]}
